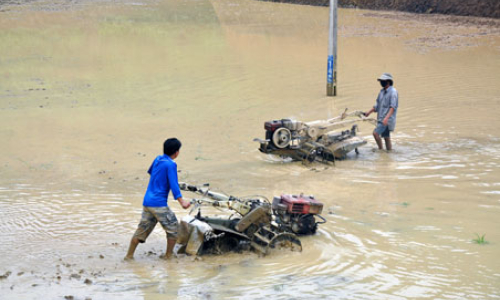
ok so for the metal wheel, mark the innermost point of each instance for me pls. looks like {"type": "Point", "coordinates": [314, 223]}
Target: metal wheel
{"type": "Point", "coordinates": [285, 241]}
{"type": "Point", "coordinates": [282, 137]}
{"type": "Point", "coordinates": [311, 156]}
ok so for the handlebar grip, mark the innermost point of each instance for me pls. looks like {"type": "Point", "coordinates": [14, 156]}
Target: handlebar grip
{"type": "Point", "coordinates": [188, 187]}
{"type": "Point", "coordinates": [192, 188]}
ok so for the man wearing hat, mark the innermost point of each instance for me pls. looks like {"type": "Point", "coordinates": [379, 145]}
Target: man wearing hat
{"type": "Point", "coordinates": [386, 108]}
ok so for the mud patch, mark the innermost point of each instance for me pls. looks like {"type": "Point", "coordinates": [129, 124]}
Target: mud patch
{"type": "Point", "coordinates": [6, 275]}
{"type": "Point", "coordinates": [484, 8]}
{"type": "Point", "coordinates": [436, 31]}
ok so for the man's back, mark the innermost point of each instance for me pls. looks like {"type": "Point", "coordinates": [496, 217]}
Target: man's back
{"type": "Point", "coordinates": [163, 178]}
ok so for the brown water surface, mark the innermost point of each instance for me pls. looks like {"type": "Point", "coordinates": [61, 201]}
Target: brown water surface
{"type": "Point", "coordinates": [90, 89]}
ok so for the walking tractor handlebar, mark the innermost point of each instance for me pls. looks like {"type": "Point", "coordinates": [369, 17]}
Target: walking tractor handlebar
{"type": "Point", "coordinates": [214, 203]}
{"type": "Point", "coordinates": [216, 199]}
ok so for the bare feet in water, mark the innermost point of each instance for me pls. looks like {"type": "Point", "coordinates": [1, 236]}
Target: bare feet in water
{"type": "Point", "coordinates": [165, 257]}
{"type": "Point", "coordinates": [381, 150]}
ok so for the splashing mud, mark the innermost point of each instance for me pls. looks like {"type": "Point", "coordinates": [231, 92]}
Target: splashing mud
{"type": "Point", "coordinates": [90, 89]}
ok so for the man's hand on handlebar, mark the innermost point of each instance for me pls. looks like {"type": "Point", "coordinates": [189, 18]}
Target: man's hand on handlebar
{"type": "Point", "coordinates": [184, 203]}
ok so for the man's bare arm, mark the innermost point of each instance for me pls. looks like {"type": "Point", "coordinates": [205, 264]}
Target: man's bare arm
{"type": "Point", "coordinates": [389, 114]}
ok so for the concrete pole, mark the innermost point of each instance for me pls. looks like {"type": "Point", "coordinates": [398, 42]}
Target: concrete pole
{"type": "Point", "coordinates": [331, 83]}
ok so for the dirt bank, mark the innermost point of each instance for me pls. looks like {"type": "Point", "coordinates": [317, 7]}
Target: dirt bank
{"type": "Point", "coordinates": [478, 8]}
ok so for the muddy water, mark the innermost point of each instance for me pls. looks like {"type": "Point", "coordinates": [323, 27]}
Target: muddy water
{"type": "Point", "coordinates": [90, 89]}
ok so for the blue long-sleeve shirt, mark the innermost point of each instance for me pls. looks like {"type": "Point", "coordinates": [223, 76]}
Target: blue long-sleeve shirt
{"type": "Point", "coordinates": [163, 178]}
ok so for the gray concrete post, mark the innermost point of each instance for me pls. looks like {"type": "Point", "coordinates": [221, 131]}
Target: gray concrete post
{"type": "Point", "coordinates": [331, 83]}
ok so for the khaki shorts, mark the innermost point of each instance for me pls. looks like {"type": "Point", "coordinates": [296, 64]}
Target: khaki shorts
{"type": "Point", "coordinates": [151, 216]}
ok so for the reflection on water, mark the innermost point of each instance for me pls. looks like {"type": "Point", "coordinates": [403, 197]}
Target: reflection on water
{"type": "Point", "coordinates": [89, 90]}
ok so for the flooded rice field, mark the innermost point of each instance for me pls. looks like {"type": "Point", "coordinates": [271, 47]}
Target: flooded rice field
{"type": "Point", "coordinates": [89, 90]}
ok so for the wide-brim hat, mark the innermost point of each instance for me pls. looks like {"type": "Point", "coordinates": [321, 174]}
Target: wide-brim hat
{"type": "Point", "coordinates": [385, 76]}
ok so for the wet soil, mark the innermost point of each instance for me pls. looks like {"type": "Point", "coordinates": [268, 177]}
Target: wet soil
{"type": "Point", "coordinates": [90, 89]}
{"type": "Point", "coordinates": [484, 8]}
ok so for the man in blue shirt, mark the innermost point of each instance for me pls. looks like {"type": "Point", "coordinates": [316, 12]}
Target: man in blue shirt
{"type": "Point", "coordinates": [386, 108]}
{"type": "Point", "coordinates": [163, 178]}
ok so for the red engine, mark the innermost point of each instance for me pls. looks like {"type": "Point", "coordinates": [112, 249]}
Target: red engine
{"type": "Point", "coordinates": [300, 204]}
{"type": "Point", "coordinates": [273, 125]}
{"type": "Point", "coordinates": [297, 213]}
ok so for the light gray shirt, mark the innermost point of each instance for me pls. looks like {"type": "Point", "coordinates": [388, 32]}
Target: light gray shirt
{"type": "Point", "coordinates": [385, 100]}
